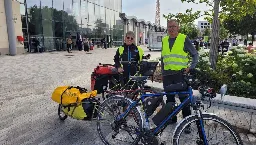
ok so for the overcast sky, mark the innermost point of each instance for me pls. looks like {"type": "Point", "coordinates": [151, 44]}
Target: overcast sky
{"type": "Point", "coordinates": [145, 9]}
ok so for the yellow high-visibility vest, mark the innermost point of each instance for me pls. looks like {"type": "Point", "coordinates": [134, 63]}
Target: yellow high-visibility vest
{"type": "Point", "coordinates": [141, 52]}
{"type": "Point", "coordinates": [176, 58]}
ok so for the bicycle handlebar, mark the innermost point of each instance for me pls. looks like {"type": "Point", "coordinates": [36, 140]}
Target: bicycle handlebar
{"type": "Point", "coordinates": [202, 88]}
{"type": "Point", "coordinates": [128, 62]}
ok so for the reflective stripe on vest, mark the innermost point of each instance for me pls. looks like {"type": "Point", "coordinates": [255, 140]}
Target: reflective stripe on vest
{"type": "Point", "coordinates": [176, 58]}
{"type": "Point", "coordinates": [141, 52]}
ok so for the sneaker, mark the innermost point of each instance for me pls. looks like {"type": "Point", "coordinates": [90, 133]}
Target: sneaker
{"type": "Point", "coordinates": [187, 130]}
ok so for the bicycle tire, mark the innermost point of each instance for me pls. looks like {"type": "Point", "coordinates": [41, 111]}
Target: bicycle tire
{"type": "Point", "coordinates": [61, 117]}
{"type": "Point", "coordinates": [190, 119]}
{"type": "Point", "coordinates": [126, 100]}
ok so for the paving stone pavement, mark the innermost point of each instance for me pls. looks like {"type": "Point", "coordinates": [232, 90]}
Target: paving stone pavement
{"type": "Point", "coordinates": [29, 116]}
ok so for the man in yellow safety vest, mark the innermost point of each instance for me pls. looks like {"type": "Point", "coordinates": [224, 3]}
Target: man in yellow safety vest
{"type": "Point", "coordinates": [176, 48]}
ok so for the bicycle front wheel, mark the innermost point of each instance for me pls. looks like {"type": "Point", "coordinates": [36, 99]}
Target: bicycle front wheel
{"type": "Point", "coordinates": [217, 131]}
{"type": "Point", "coordinates": [127, 130]}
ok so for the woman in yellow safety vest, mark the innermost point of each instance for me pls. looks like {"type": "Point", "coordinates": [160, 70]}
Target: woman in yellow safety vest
{"type": "Point", "coordinates": [129, 52]}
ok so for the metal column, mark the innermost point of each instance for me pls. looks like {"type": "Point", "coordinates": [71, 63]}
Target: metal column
{"type": "Point", "coordinates": [10, 27]}
{"type": "Point", "coordinates": [27, 23]}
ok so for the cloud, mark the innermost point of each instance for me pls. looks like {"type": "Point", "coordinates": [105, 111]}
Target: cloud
{"type": "Point", "coordinates": [145, 9]}
{"type": "Point", "coordinates": [142, 9]}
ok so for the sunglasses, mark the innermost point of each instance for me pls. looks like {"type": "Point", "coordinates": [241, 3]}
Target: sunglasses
{"type": "Point", "coordinates": [129, 38]}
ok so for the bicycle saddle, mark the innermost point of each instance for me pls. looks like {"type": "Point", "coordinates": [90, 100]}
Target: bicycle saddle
{"type": "Point", "coordinates": [139, 78]}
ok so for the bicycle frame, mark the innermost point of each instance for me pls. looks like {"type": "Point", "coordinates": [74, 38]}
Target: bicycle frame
{"type": "Point", "coordinates": [124, 87]}
{"type": "Point", "coordinates": [189, 99]}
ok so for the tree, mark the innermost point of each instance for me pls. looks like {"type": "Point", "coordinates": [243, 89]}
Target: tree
{"type": "Point", "coordinates": [186, 21]}
{"type": "Point", "coordinates": [206, 32]}
{"type": "Point", "coordinates": [213, 56]}
{"type": "Point", "coordinates": [60, 21]}
{"type": "Point", "coordinates": [243, 27]}
{"type": "Point", "coordinates": [223, 32]}
{"type": "Point", "coordinates": [118, 32]}
{"type": "Point", "coordinates": [184, 18]}
{"type": "Point", "coordinates": [190, 30]}
{"type": "Point", "coordinates": [99, 27]}
{"type": "Point", "coordinates": [232, 8]}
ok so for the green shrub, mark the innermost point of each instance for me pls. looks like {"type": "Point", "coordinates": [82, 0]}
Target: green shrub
{"type": "Point", "coordinates": [237, 69]}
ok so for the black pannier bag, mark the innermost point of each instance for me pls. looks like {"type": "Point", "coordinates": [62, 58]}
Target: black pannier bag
{"type": "Point", "coordinates": [151, 103]}
{"type": "Point", "coordinates": [147, 68]}
{"type": "Point", "coordinates": [86, 110]}
{"type": "Point", "coordinates": [101, 81]}
{"type": "Point", "coordinates": [89, 106]}
{"type": "Point", "coordinates": [165, 111]}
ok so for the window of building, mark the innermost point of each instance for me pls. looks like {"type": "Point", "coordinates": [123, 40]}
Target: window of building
{"type": "Point", "coordinates": [97, 12]}
{"type": "Point", "coordinates": [91, 18]}
{"type": "Point", "coordinates": [102, 14]}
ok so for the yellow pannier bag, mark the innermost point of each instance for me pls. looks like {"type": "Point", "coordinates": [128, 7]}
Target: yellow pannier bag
{"type": "Point", "coordinates": [76, 112]}
{"type": "Point", "coordinates": [69, 95]}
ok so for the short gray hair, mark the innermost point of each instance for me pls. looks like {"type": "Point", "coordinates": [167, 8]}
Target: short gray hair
{"type": "Point", "coordinates": [130, 33]}
{"type": "Point", "coordinates": [173, 20]}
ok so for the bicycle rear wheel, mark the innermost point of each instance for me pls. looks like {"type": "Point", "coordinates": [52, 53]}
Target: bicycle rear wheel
{"type": "Point", "coordinates": [230, 136]}
{"type": "Point", "coordinates": [125, 131]}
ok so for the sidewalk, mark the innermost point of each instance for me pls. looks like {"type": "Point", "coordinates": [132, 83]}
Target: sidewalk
{"type": "Point", "coordinates": [28, 115]}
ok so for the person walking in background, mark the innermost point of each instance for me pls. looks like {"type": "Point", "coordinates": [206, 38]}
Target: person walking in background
{"type": "Point", "coordinates": [245, 42]}
{"type": "Point", "coordinates": [224, 46]}
{"type": "Point", "coordinates": [234, 41]}
{"type": "Point", "coordinates": [86, 45]}
{"type": "Point", "coordinates": [91, 45]}
{"type": "Point", "coordinates": [79, 44]}
{"type": "Point", "coordinates": [69, 44]}
{"type": "Point", "coordinates": [250, 48]}
{"type": "Point", "coordinates": [196, 44]}
{"type": "Point", "coordinates": [104, 43]}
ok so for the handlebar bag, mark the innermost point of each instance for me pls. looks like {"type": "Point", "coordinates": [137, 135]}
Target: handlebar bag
{"type": "Point", "coordinates": [147, 68]}
{"type": "Point", "coordinates": [182, 86]}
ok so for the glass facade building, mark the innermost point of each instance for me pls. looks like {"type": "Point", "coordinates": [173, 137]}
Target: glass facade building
{"type": "Point", "coordinates": [52, 21]}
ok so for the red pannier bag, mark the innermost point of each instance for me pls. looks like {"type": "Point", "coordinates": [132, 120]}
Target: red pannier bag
{"type": "Point", "coordinates": [99, 76]}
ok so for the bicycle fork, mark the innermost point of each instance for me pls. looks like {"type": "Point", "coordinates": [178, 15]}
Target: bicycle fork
{"type": "Point", "coordinates": [200, 127]}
